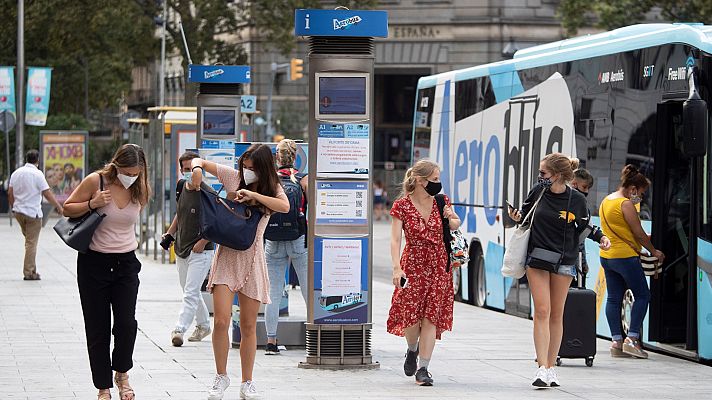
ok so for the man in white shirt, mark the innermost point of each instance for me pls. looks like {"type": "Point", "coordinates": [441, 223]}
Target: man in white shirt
{"type": "Point", "coordinates": [27, 186]}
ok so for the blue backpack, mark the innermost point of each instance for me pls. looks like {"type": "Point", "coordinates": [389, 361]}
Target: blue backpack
{"type": "Point", "coordinates": [293, 224]}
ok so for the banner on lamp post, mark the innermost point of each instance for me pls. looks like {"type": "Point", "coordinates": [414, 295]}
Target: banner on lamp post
{"type": "Point", "coordinates": [38, 86]}
{"type": "Point", "coordinates": [7, 89]}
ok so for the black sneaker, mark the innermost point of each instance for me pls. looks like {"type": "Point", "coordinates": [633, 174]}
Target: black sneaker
{"type": "Point", "coordinates": [271, 349]}
{"type": "Point", "coordinates": [423, 377]}
{"type": "Point", "coordinates": [411, 362]}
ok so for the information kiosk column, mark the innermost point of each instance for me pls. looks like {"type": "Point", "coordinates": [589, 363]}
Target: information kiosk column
{"type": "Point", "coordinates": [340, 165]}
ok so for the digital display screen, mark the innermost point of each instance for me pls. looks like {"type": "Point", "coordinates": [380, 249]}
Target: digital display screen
{"type": "Point", "coordinates": [218, 122]}
{"type": "Point", "coordinates": [342, 95]}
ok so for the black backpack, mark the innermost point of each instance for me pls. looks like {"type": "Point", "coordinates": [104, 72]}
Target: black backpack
{"type": "Point", "coordinates": [292, 225]}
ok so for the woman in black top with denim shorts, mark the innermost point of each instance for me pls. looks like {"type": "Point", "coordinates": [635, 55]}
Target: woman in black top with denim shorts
{"type": "Point", "coordinates": [558, 220]}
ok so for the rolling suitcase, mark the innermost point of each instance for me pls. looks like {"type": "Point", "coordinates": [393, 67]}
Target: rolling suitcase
{"type": "Point", "coordinates": [579, 339]}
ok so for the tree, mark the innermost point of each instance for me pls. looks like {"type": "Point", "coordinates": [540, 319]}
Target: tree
{"type": "Point", "coordinates": [208, 25]}
{"type": "Point", "coordinates": [611, 14]}
{"type": "Point", "coordinates": [92, 46]}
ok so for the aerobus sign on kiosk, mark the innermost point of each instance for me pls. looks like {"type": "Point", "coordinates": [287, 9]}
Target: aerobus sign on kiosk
{"type": "Point", "coordinates": [340, 164]}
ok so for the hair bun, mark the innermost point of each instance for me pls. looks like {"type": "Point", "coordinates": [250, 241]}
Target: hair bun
{"type": "Point", "coordinates": [574, 163]}
{"type": "Point", "coordinates": [630, 170]}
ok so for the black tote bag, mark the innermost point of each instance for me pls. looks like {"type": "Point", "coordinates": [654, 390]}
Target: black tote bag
{"type": "Point", "coordinates": [77, 232]}
{"type": "Point", "coordinates": [227, 222]}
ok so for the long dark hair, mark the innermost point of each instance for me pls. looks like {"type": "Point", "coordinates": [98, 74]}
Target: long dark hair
{"type": "Point", "coordinates": [263, 165]}
{"type": "Point", "coordinates": [127, 156]}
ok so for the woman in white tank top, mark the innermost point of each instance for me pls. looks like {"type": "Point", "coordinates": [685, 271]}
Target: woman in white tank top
{"type": "Point", "coordinates": [107, 275]}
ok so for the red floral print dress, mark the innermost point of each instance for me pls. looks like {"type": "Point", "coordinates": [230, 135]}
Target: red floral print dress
{"type": "Point", "coordinates": [429, 292]}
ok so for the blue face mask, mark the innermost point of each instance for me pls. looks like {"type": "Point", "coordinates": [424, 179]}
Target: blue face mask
{"type": "Point", "coordinates": [188, 176]}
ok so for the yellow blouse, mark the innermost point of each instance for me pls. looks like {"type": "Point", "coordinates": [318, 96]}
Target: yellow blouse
{"type": "Point", "coordinates": [612, 219]}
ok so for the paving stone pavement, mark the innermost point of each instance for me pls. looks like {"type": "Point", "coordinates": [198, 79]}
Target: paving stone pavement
{"type": "Point", "coordinates": [489, 355]}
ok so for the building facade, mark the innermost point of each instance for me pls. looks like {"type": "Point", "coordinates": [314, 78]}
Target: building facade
{"type": "Point", "coordinates": [425, 37]}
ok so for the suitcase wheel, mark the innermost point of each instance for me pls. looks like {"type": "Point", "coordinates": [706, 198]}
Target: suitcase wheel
{"type": "Point", "coordinates": [589, 361]}
{"type": "Point", "coordinates": [558, 361]}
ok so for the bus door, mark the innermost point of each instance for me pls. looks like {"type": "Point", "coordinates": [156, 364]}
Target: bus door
{"type": "Point", "coordinates": [670, 314]}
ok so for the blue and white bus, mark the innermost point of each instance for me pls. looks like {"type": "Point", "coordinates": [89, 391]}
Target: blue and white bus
{"type": "Point", "coordinates": [609, 99]}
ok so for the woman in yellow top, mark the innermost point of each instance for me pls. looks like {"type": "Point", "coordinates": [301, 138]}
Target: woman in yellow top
{"type": "Point", "coordinates": [621, 263]}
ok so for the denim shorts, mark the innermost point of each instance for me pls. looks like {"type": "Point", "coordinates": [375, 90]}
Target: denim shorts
{"type": "Point", "coordinates": [567, 270]}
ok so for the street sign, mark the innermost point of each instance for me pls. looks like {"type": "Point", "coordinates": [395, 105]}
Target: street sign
{"type": "Point", "coordinates": [218, 73]}
{"type": "Point", "coordinates": [7, 121]}
{"type": "Point", "coordinates": [352, 23]}
{"type": "Point", "coordinates": [248, 104]}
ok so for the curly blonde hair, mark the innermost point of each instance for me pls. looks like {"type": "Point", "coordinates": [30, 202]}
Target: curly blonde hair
{"type": "Point", "coordinates": [422, 169]}
{"type": "Point", "coordinates": [286, 155]}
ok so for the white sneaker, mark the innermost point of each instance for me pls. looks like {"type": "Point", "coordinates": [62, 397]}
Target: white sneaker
{"type": "Point", "coordinates": [553, 378]}
{"type": "Point", "coordinates": [217, 391]}
{"type": "Point", "coordinates": [541, 380]}
{"type": "Point", "coordinates": [248, 390]}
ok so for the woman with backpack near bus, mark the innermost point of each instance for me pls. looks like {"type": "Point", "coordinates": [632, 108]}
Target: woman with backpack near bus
{"type": "Point", "coordinates": [244, 272]}
{"type": "Point", "coordinates": [560, 217]}
{"type": "Point", "coordinates": [421, 306]}
{"type": "Point", "coordinates": [286, 239]}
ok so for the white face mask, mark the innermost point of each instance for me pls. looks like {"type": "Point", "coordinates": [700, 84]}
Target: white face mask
{"type": "Point", "coordinates": [249, 176]}
{"type": "Point", "coordinates": [126, 180]}
{"type": "Point", "coordinates": [187, 176]}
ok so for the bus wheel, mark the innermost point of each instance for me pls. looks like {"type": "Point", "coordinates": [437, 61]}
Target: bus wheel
{"type": "Point", "coordinates": [626, 307]}
{"type": "Point", "coordinates": [456, 286]}
{"type": "Point", "coordinates": [478, 290]}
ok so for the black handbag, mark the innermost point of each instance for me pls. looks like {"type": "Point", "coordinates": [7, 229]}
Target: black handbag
{"type": "Point", "coordinates": [77, 232]}
{"type": "Point", "coordinates": [227, 222]}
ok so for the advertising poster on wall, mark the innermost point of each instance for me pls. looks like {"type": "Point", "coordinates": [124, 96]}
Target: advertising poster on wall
{"type": "Point", "coordinates": [38, 87]}
{"type": "Point", "coordinates": [341, 280]}
{"type": "Point", "coordinates": [341, 203]}
{"type": "Point", "coordinates": [63, 161]}
{"type": "Point", "coordinates": [343, 151]}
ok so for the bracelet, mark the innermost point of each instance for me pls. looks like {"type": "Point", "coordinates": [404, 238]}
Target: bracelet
{"type": "Point", "coordinates": [89, 204]}
{"type": "Point", "coordinates": [197, 166]}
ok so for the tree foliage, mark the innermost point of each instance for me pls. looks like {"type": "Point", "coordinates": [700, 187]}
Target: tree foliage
{"type": "Point", "coordinates": [92, 42]}
{"type": "Point", "coordinates": [208, 25]}
{"type": "Point", "coordinates": [611, 14]}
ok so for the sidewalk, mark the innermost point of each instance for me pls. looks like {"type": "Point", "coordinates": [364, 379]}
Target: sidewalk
{"type": "Point", "coordinates": [488, 356]}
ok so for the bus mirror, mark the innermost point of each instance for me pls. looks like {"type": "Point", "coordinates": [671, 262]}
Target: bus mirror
{"type": "Point", "coordinates": [695, 121]}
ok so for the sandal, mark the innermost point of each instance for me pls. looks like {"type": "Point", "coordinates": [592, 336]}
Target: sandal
{"type": "Point", "coordinates": [122, 383]}
{"type": "Point", "coordinates": [104, 394]}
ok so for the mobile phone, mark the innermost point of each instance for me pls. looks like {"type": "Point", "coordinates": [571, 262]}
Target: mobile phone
{"type": "Point", "coordinates": [403, 282]}
{"type": "Point", "coordinates": [511, 207]}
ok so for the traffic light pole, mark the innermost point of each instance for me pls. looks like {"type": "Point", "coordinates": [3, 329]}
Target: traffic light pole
{"type": "Point", "coordinates": [274, 67]}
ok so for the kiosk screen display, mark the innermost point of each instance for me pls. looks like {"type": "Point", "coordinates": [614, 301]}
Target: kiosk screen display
{"type": "Point", "coordinates": [218, 122]}
{"type": "Point", "coordinates": [342, 95]}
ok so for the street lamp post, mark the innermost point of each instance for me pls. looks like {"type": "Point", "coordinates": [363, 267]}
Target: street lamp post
{"type": "Point", "coordinates": [162, 75]}
{"type": "Point", "coordinates": [20, 104]}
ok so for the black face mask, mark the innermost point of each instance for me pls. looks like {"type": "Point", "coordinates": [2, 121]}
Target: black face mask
{"type": "Point", "coordinates": [433, 188]}
{"type": "Point", "coordinates": [583, 193]}
{"type": "Point", "coordinates": [545, 182]}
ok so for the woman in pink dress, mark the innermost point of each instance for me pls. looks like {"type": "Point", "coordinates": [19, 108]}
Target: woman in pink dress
{"type": "Point", "coordinates": [255, 182]}
{"type": "Point", "coordinates": [422, 309]}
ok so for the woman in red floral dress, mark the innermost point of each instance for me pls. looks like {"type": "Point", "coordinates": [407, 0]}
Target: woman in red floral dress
{"type": "Point", "coordinates": [422, 309]}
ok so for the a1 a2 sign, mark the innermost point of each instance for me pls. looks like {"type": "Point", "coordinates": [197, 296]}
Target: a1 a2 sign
{"type": "Point", "coordinates": [248, 104]}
